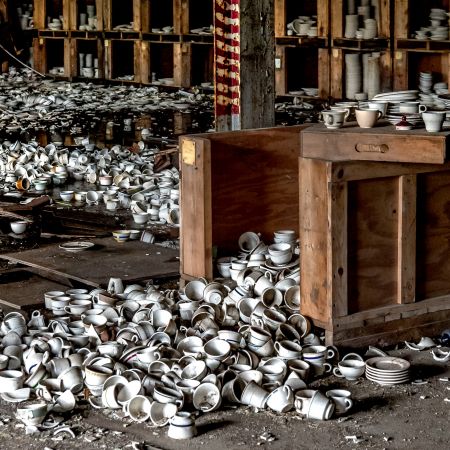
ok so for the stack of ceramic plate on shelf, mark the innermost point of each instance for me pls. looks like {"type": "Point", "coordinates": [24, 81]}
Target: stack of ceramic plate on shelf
{"type": "Point", "coordinates": [425, 82]}
{"type": "Point", "coordinates": [353, 75]}
{"type": "Point", "coordinates": [387, 370]}
{"type": "Point", "coordinates": [370, 29]}
{"type": "Point", "coordinates": [398, 96]}
{"type": "Point", "coordinates": [439, 32]}
{"type": "Point", "coordinates": [311, 92]}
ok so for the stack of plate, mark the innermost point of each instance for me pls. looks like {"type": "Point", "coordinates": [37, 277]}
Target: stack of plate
{"type": "Point", "coordinates": [311, 92]}
{"type": "Point", "coordinates": [398, 96]}
{"type": "Point", "coordinates": [353, 75]}
{"type": "Point", "coordinates": [387, 370]}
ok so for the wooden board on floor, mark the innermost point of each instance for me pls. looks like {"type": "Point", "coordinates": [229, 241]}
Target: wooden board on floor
{"type": "Point", "coordinates": [23, 290]}
{"type": "Point", "coordinates": [132, 261]}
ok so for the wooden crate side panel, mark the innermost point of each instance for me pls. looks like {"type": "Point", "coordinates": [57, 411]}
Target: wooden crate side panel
{"type": "Point", "coordinates": [195, 231]}
{"type": "Point", "coordinates": [433, 235]}
{"type": "Point", "coordinates": [337, 73]}
{"type": "Point", "coordinates": [313, 232]}
{"type": "Point", "coordinates": [182, 55]}
{"type": "Point", "coordinates": [372, 243]}
{"type": "Point", "coordinates": [323, 13]}
{"type": "Point", "coordinates": [39, 55]}
{"type": "Point", "coordinates": [40, 14]}
{"type": "Point", "coordinates": [99, 10]}
{"type": "Point", "coordinates": [254, 185]}
{"type": "Point", "coordinates": [280, 17]}
{"type": "Point", "coordinates": [401, 17]}
{"type": "Point", "coordinates": [324, 72]}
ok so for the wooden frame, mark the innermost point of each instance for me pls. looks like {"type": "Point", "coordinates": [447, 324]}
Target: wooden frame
{"type": "Point", "coordinates": [74, 50]}
{"type": "Point", "coordinates": [40, 55]}
{"type": "Point", "coordinates": [260, 165]}
{"type": "Point", "coordinates": [366, 230]}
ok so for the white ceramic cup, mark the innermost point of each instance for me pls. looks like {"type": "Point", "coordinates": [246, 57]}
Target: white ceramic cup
{"type": "Point", "coordinates": [367, 118]}
{"type": "Point", "coordinates": [334, 118]}
{"type": "Point", "coordinates": [433, 120]}
{"type": "Point", "coordinates": [341, 399]}
{"type": "Point", "coordinates": [281, 399]}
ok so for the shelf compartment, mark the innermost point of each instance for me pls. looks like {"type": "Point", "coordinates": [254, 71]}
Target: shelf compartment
{"type": "Point", "coordinates": [80, 7]}
{"type": "Point", "coordinates": [202, 64]}
{"type": "Point", "coordinates": [122, 58]}
{"type": "Point", "coordinates": [122, 12]}
{"type": "Point", "coordinates": [408, 65]}
{"type": "Point", "coordinates": [49, 53]}
{"type": "Point", "coordinates": [337, 71]}
{"type": "Point", "coordinates": [338, 11]}
{"type": "Point", "coordinates": [298, 67]}
{"type": "Point", "coordinates": [201, 14]}
{"type": "Point", "coordinates": [288, 10]}
{"type": "Point", "coordinates": [361, 44]}
{"type": "Point", "coordinates": [54, 9]}
{"type": "Point", "coordinates": [160, 13]}
{"type": "Point", "coordinates": [428, 45]}
{"type": "Point", "coordinates": [86, 46]}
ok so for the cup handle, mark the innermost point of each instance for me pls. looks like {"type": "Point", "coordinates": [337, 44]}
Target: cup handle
{"type": "Point", "coordinates": [422, 108]}
{"type": "Point", "coordinates": [330, 353]}
{"type": "Point", "coordinates": [337, 372]}
{"type": "Point", "coordinates": [352, 356]}
{"type": "Point", "coordinates": [35, 313]}
{"type": "Point", "coordinates": [277, 346]}
{"type": "Point", "coordinates": [67, 309]}
{"type": "Point", "coordinates": [298, 404]}
{"type": "Point", "coordinates": [328, 367]}
{"type": "Point", "coordinates": [347, 113]}
{"type": "Point", "coordinates": [380, 114]}
{"type": "Point", "coordinates": [268, 275]}
{"type": "Point", "coordinates": [348, 403]}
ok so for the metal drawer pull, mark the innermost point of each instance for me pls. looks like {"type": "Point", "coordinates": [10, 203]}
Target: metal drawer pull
{"type": "Point", "coordinates": [374, 148]}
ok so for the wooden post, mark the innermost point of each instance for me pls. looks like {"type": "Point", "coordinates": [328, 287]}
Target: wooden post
{"type": "Point", "coordinates": [182, 53]}
{"type": "Point", "coordinates": [244, 72]}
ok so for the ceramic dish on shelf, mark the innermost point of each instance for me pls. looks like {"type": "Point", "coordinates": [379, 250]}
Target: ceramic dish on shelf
{"type": "Point", "coordinates": [76, 246]}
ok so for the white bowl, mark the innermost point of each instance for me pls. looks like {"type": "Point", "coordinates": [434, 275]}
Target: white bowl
{"type": "Point", "coordinates": [18, 227]}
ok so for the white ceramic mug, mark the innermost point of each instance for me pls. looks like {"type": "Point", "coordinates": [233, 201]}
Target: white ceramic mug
{"type": "Point", "coordinates": [334, 118]}
{"type": "Point", "coordinates": [341, 399]}
{"type": "Point", "coordinates": [433, 120]}
{"type": "Point", "coordinates": [367, 118]}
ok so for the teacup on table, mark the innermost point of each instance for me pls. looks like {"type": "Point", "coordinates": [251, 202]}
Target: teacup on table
{"type": "Point", "coordinates": [334, 118]}
{"type": "Point", "coordinates": [433, 120]}
{"type": "Point", "coordinates": [367, 118]}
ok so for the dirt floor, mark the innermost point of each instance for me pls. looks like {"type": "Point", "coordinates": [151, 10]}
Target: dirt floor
{"type": "Point", "coordinates": [409, 416]}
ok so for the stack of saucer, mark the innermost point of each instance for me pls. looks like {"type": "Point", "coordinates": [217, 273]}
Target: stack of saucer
{"type": "Point", "coordinates": [425, 82]}
{"type": "Point", "coordinates": [351, 25]}
{"type": "Point", "coordinates": [387, 370]}
{"type": "Point", "coordinates": [370, 29]}
{"type": "Point", "coordinates": [353, 78]}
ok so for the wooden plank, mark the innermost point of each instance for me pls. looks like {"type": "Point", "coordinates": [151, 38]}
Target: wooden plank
{"type": "Point", "coordinates": [372, 245]}
{"type": "Point", "coordinates": [181, 16]}
{"type": "Point", "coordinates": [384, 18]}
{"type": "Point", "coordinates": [337, 249]}
{"type": "Point", "coordinates": [407, 191]}
{"type": "Point", "coordinates": [324, 72]}
{"type": "Point", "coordinates": [386, 71]}
{"type": "Point", "coordinates": [145, 62]}
{"type": "Point", "coordinates": [195, 198]}
{"type": "Point", "coordinates": [433, 235]}
{"type": "Point", "coordinates": [108, 60]}
{"type": "Point", "coordinates": [67, 58]}
{"type": "Point", "coordinates": [40, 55]}
{"type": "Point", "coordinates": [40, 14]}
{"type": "Point", "coordinates": [362, 170]}
{"type": "Point", "coordinates": [70, 13]}
{"type": "Point", "coordinates": [13, 284]}
{"type": "Point", "coordinates": [314, 270]}
{"type": "Point", "coordinates": [137, 61]}
{"type": "Point", "coordinates": [280, 70]}
{"type": "Point", "coordinates": [101, 58]}
{"type": "Point", "coordinates": [337, 24]}
{"type": "Point", "coordinates": [411, 329]}
{"type": "Point", "coordinates": [182, 70]}
{"type": "Point", "coordinates": [280, 17]}
{"type": "Point", "coordinates": [381, 143]}
{"type": "Point", "coordinates": [107, 15]}
{"type": "Point", "coordinates": [100, 11]}
{"type": "Point", "coordinates": [336, 73]}
{"type": "Point", "coordinates": [401, 19]}
{"type": "Point", "coordinates": [131, 261]}
{"type": "Point", "coordinates": [323, 18]}
{"type": "Point", "coordinates": [257, 71]}
{"type": "Point", "coordinates": [73, 58]}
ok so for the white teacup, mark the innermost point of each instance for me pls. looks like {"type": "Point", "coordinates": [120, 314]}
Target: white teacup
{"type": "Point", "coordinates": [433, 120]}
{"type": "Point", "coordinates": [254, 395]}
{"type": "Point", "coordinates": [412, 107]}
{"type": "Point", "coordinates": [207, 397]}
{"type": "Point", "coordinates": [281, 399]}
{"type": "Point", "coordinates": [351, 369]}
{"type": "Point", "coordinates": [313, 404]}
{"type": "Point", "coordinates": [341, 399]}
{"type": "Point", "coordinates": [334, 118]}
{"type": "Point", "coordinates": [367, 118]}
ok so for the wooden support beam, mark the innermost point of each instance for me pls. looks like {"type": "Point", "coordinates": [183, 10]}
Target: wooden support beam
{"type": "Point", "coordinates": [182, 54]}
{"type": "Point", "coordinates": [244, 73]}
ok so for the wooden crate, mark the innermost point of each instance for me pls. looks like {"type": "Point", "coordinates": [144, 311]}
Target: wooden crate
{"type": "Point", "coordinates": [48, 52]}
{"type": "Point", "coordinates": [44, 8]}
{"type": "Point", "coordinates": [374, 242]}
{"type": "Point", "coordinates": [92, 45]}
{"type": "Point", "coordinates": [122, 57]}
{"type": "Point", "coordinates": [232, 183]}
{"type": "Point", "coordinates": [76, 7]}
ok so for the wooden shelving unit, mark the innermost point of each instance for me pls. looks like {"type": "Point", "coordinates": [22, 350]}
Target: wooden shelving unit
{"type": "Point", "coordinates": [129, 38]}
{"type": "Point", "coordinates": [413, 55]}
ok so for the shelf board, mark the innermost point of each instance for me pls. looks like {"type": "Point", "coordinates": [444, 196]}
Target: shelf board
{"type": "Point", "coordinates": [425, 46]}
{"type": "Point", "coordinates": [161, 37]}
{"type": "Point", "coordinates": [53, 33]}
{"type": "Point", "coordinates": [302, 41]}
{"type": "Point", "coordinates": [125, 35]}
{"type": "Point", "coordinates": [198, 38]}
{"type": "Point", "coordinates": [86, 34]}
{"type": "Point", "coordinates": [361, 44]}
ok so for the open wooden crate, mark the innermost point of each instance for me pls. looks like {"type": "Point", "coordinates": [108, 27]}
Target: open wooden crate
{"type": "Point", "coordinates": [374, 239]}
{"type": "Point", "coordinates": [232, 183]}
